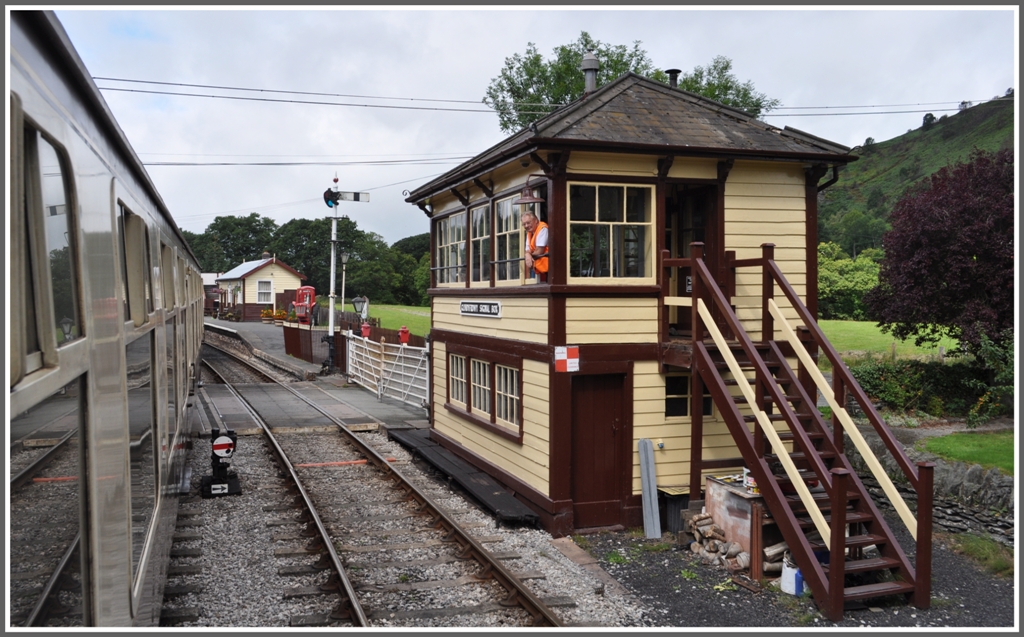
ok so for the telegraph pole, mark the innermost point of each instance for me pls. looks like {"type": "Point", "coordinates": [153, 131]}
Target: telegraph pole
{"type": "Point", "coordinates": [331, 197]}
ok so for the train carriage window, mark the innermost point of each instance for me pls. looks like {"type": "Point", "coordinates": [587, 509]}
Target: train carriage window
{"type": "Point", "coordinates": [135, 248]}
{"type": "Point", "coordinates": [46, 278]}
{"type": "Point", "coordinates": [139, 359]}
{"type": "Point", "coordinates": [49, 496]}
{"type": "Point", "coordinates": [167, 280]}
{"type": "Point", "coordinates": [59, 234]}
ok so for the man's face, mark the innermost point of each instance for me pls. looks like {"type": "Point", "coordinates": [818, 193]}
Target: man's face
{"type": "Point", "coordinates": [529, 222]}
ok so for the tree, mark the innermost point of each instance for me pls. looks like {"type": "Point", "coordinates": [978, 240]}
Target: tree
{"type": "Point", "coordinates": [415, 246]}
{"type": "Point", "coordinates": [241, 239]}
{"type": "Point", "coordinates": [305, 244]}
{"type": "Point", "coordinates": [208, 251]}
{"type": "Point", "coordinates": [927, 121]}
{"type": "Point", "coordinates": [528, 86]}
{"type": "Point", "coordinates": [716, 81]}
{"type": "Point", "coordinates": [948, 266]}
{"type": "Point", "coordinates": [843, 282]}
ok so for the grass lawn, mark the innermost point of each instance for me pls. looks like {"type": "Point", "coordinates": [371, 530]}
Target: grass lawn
{"type": "Point", "coordinates": [989, 449]}
{"type": "Point", "coordinates": [393, 317]}
{"type": "Point", "coordinates": [865, 336]}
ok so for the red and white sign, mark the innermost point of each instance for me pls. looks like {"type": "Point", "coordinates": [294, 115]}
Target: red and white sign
{"type": "Point", "coordinates": [567, 358]}
{"type": "Point", "coordinates": [223, 446]}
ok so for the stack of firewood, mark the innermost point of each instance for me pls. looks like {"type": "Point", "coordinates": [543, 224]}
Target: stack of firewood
{"type": "Point", "coordinates": [713, 547]}
{"type": "Point", "coordinates": [773, 558]}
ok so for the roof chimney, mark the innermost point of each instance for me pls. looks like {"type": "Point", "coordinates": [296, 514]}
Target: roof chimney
{"type": "Point", "coordinates": [266, 255]}
{"type": "Point", "coordinates": [589, 67]}
{"type": "Point", "coordinates": [673, 77]}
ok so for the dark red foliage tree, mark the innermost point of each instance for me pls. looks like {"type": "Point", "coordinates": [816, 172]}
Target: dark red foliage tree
{"type": "Point", "coordinates": [948, 266]}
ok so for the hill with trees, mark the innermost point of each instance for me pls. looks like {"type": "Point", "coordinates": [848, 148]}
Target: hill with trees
{"type": "Point", "coordinates": [854, 213]}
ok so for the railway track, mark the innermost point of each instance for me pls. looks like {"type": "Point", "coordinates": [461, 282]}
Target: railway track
{"type": "Point", "coordinates": [363, 543]}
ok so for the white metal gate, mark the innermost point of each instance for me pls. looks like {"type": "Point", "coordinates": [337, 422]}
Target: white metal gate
{"type": "Point", "coordinates": [397, 371]}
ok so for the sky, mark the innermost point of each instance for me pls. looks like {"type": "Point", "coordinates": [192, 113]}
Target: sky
{"type": "Point", "coordinates": [409, 84]}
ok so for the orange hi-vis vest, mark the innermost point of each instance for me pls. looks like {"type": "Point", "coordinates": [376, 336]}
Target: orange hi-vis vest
{"type": "Point", "coordinates": [540, 264]}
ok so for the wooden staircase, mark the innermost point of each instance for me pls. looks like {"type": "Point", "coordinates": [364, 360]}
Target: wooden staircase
{"type": "Point", "coordinates": [838, 538]}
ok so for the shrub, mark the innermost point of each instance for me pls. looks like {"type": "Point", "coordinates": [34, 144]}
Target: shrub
{"type": "Point", "coordinates": [951, 389]}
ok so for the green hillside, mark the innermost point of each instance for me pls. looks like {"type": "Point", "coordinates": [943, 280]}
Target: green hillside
{"type": "Point", "coordinates": [854, 211]}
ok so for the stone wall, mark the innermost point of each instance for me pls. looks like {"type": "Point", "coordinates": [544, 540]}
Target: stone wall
{"type": "Point", "coordinates": [966, 497]}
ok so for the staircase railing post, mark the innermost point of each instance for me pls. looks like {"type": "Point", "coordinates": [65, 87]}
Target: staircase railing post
{"type": "Point", "coordinates": [697, 290]}
{"type": "Point", "coordinates": [696, 421]}
{"type": "Point", "coordinates": [767, 292]}
{"type": "Point", "coordinates": [923, 566]}
{"type": "Point", "coordinates": [837, 547]}
{"type": "Point", "coordinates": [666, 276]}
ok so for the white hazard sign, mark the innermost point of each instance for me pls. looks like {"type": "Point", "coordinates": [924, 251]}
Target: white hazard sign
{"type": "Point", "coordinates": [223, 446]}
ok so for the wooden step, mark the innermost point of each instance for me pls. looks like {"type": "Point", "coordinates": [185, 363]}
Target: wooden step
{"type": "Point", "coordinates": [853, 541]}
{"type": "Point", "coordinates": [821, 499]}
{"type": "Point", "coordinates": [798, 456]}
{"type": "Point", "coordinates": [852, 517]}
{"type": "Point", "coordinates": [882, 589]}
{"type": "Point", "coordinates": [868, 565]}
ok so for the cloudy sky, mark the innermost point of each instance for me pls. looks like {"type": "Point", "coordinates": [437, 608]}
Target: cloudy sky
{"type": "Point", "coordinates": [407, 85]}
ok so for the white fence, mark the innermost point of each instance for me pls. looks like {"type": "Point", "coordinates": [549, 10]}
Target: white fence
{"type": "Point", "coordinates": [398, 371]}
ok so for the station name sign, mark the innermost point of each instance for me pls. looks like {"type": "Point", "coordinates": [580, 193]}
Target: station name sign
{"type": "Point", "coordinates": [490, 309]}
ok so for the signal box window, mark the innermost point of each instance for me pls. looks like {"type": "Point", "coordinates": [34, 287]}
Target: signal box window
{"type": "Point", "coordinates": [450, 262]}
{"type": "Point", "coordinates": [480, 243]}
{"type": "Point", "coordinates": [610, 231]}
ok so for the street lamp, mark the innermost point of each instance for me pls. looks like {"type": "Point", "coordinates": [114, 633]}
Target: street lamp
{"type": "Point", "coordinates": [65, 326]}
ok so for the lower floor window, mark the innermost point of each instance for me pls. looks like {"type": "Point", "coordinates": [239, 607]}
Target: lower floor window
{"type": "Point", "coordinates": [457, 378]}
{"type": "Point", "coordinates": [486, 392]}
{"type": "Point", "coordinates": [677, 396]}
{"type": "Point", "coordinates": [506, 392]}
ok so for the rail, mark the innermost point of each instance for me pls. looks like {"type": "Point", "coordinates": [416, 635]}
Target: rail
{"type": "Point", "coordinates": [518, 593]}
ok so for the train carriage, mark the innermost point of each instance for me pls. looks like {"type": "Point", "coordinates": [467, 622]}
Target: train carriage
{"type": "Point", "coordinates": [105, 327]}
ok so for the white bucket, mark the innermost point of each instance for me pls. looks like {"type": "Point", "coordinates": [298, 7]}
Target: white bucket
{"type": "Point", "coordinates": [792, 583]}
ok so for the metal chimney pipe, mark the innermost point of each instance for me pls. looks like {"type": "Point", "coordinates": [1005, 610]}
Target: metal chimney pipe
{"type": "Point", "coordinates": [673, 77]}
{"type": "Point", "coordinates": [589, 67]}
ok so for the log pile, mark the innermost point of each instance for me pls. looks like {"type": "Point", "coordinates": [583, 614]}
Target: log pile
{"type": "Point", "coordinates": [713, 547]}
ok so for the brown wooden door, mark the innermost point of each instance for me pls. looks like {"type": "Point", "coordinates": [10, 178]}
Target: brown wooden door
{"type": "Point", "coordinates": [600, 471]}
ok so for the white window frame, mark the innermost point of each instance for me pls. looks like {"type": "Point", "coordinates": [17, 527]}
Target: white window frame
{"type": "Point", "coordinates": [480, 372]}
{"type": "Point", "coordinates": [614, 228]}
{"type": "Point", "coordinates": [506, 396]}
{"type": "Point", "coordinates": [260, 298]}
{"type": "Point", "coordinates": [457, 379]}
{"type": "Point", "coordinates": [508, 234]}
{"type": "Point", "coordinates": [450, 250]}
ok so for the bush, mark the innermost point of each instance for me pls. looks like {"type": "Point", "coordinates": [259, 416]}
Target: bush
{"type": "Point", "coordinates": [951, 389]}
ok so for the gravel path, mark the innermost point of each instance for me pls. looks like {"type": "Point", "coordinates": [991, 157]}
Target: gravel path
{"type": "Point", "coordinates": [680, 591]}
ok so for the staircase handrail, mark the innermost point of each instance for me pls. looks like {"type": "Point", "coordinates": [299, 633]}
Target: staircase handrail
{"type": "Point", "coordinates": [804, 443]}
{"type": "Point", "coordinates": [766, 426]}
{"type": "Point", "coordinates": [870, 459]}
{"type": "Point", "coordinates": [842, 372]}
{"type": "Point", "coordinates": [921, 479]}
